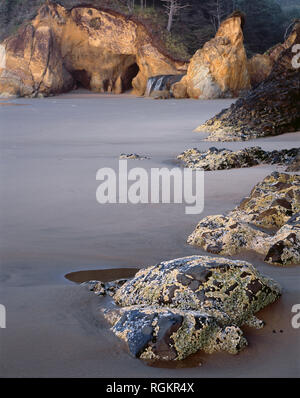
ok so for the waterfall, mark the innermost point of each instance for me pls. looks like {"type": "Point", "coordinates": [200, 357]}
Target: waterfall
{"type": "Point", "coordinates": [161, 82]}
{"type": "Point", "coordinates": [2, 57]}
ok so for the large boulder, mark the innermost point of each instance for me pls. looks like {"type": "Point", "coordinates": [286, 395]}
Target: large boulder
{"type": "Point", "coordinates": [273, 204]}
{"type": "Point", "coordinates": [219, 69]}
{"type": "Point", "coordinates": [271, 108]}
{"type": "Point", "coordinates": [173, 309]}
{"type": "Point", "coordinates": [101, 50]}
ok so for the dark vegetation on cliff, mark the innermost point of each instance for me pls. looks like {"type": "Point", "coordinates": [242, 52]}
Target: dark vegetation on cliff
{"type": "Point", "coordinates": [266, 20]}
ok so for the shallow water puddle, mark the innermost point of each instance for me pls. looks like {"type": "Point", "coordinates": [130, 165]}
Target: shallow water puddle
{"type": "Point", "coordinates": [103, 275]}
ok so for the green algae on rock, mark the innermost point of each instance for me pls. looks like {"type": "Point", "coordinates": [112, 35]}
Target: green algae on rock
{"type": "Point", "coordinates": [273, 203]}
{"type": "Point", "coordinates": [181, 306]}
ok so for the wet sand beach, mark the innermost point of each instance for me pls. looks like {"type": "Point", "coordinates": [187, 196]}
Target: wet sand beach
{"type": "Point", "coordinates": [52, 225]}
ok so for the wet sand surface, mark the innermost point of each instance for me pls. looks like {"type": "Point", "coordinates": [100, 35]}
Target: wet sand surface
{"type": "Point", "coordinates": [52, 225]}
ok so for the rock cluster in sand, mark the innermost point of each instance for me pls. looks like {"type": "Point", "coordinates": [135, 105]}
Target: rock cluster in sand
{"type": "Point", "coordinates": [101, 50]}
{"type": "Point", "coordinates": [273, 204]}
{"type": "Point", "coordinates": [173, 309]}
{"type": "Point", "coordinates": [220, 159]}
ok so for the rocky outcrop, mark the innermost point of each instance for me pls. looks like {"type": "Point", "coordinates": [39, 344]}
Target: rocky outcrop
{"type": "Point", "coordinates": [99, 49]}
{"type": "Point", "coordinates": [178, 307]}
{"type": "Point", "coordinates": [220, 159]}
{"type": "Point", "coordinates": [273, 204]}
{"type": "Point", "coordinates": [219, 69]}
{"type": "Point", "coordinates": [272, 108]}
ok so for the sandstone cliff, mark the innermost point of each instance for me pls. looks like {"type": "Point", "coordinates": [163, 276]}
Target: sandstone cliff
{"type": "Point", "coordinates": [99, 49]}
{"type": "Point", "coordinates": [271, 108]}
{"type": "Point", "coordinates": [219, 69]}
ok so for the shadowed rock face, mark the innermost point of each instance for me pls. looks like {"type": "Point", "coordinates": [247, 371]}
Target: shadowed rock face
{"type": "Point", "coordinates": [259, 68]}
{"type": "Point", "coordinates": [272, 204]}
{"type": "Point", "coordinates": [271, 108]}
{"type": "Point", "coordinates": [177, 307]}
{"type": "Point", "coordinates": [219, 69]}
{"type": "Point", "coordinates": [100, 50]}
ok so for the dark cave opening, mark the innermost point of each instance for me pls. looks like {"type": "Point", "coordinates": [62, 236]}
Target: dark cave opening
{"type": "Point", "coordinates": [128, 76]}
{"type": "Point", "coordinates": [82, 79]}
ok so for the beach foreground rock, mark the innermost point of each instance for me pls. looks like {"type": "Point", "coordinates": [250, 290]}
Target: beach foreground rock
{"type": "Point", "coordinates": [178, 307]}
{"type": "Point", "coordinates": [273, 204]}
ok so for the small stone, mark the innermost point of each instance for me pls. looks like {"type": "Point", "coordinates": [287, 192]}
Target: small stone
{"type": "Point", "coordinates": [133, 156]}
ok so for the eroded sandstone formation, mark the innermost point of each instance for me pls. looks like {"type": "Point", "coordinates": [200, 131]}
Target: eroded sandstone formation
{"type": "Point", "coordinates": [221, 159]}
{"type": "Point", "coordinates": [271, 108]}
{"type": "Point", "coordinates": [178, 307]}
{"type": "Point", "coordinates": [274, 205]}
{"type": "Point", "coordinates": [99, 49]}
{"type": "Point", "coordinates": [219, 69]}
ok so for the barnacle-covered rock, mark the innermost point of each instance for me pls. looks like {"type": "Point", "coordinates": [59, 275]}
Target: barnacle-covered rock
{"type": "Point", "coordinates": [273, 204]}
{"type": "Point", "coordinates": [104, 288]}
{"type": "Point", "coordinates": [178, 307]}
{"type": "Point", "coordinates": [285, 245]}
{"type": "Point", "coordinates": [220, 234]}
{"type": "Point", "coordinates": [172, 334]}
{"type": "Point", "coordinates": [220, 159]}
